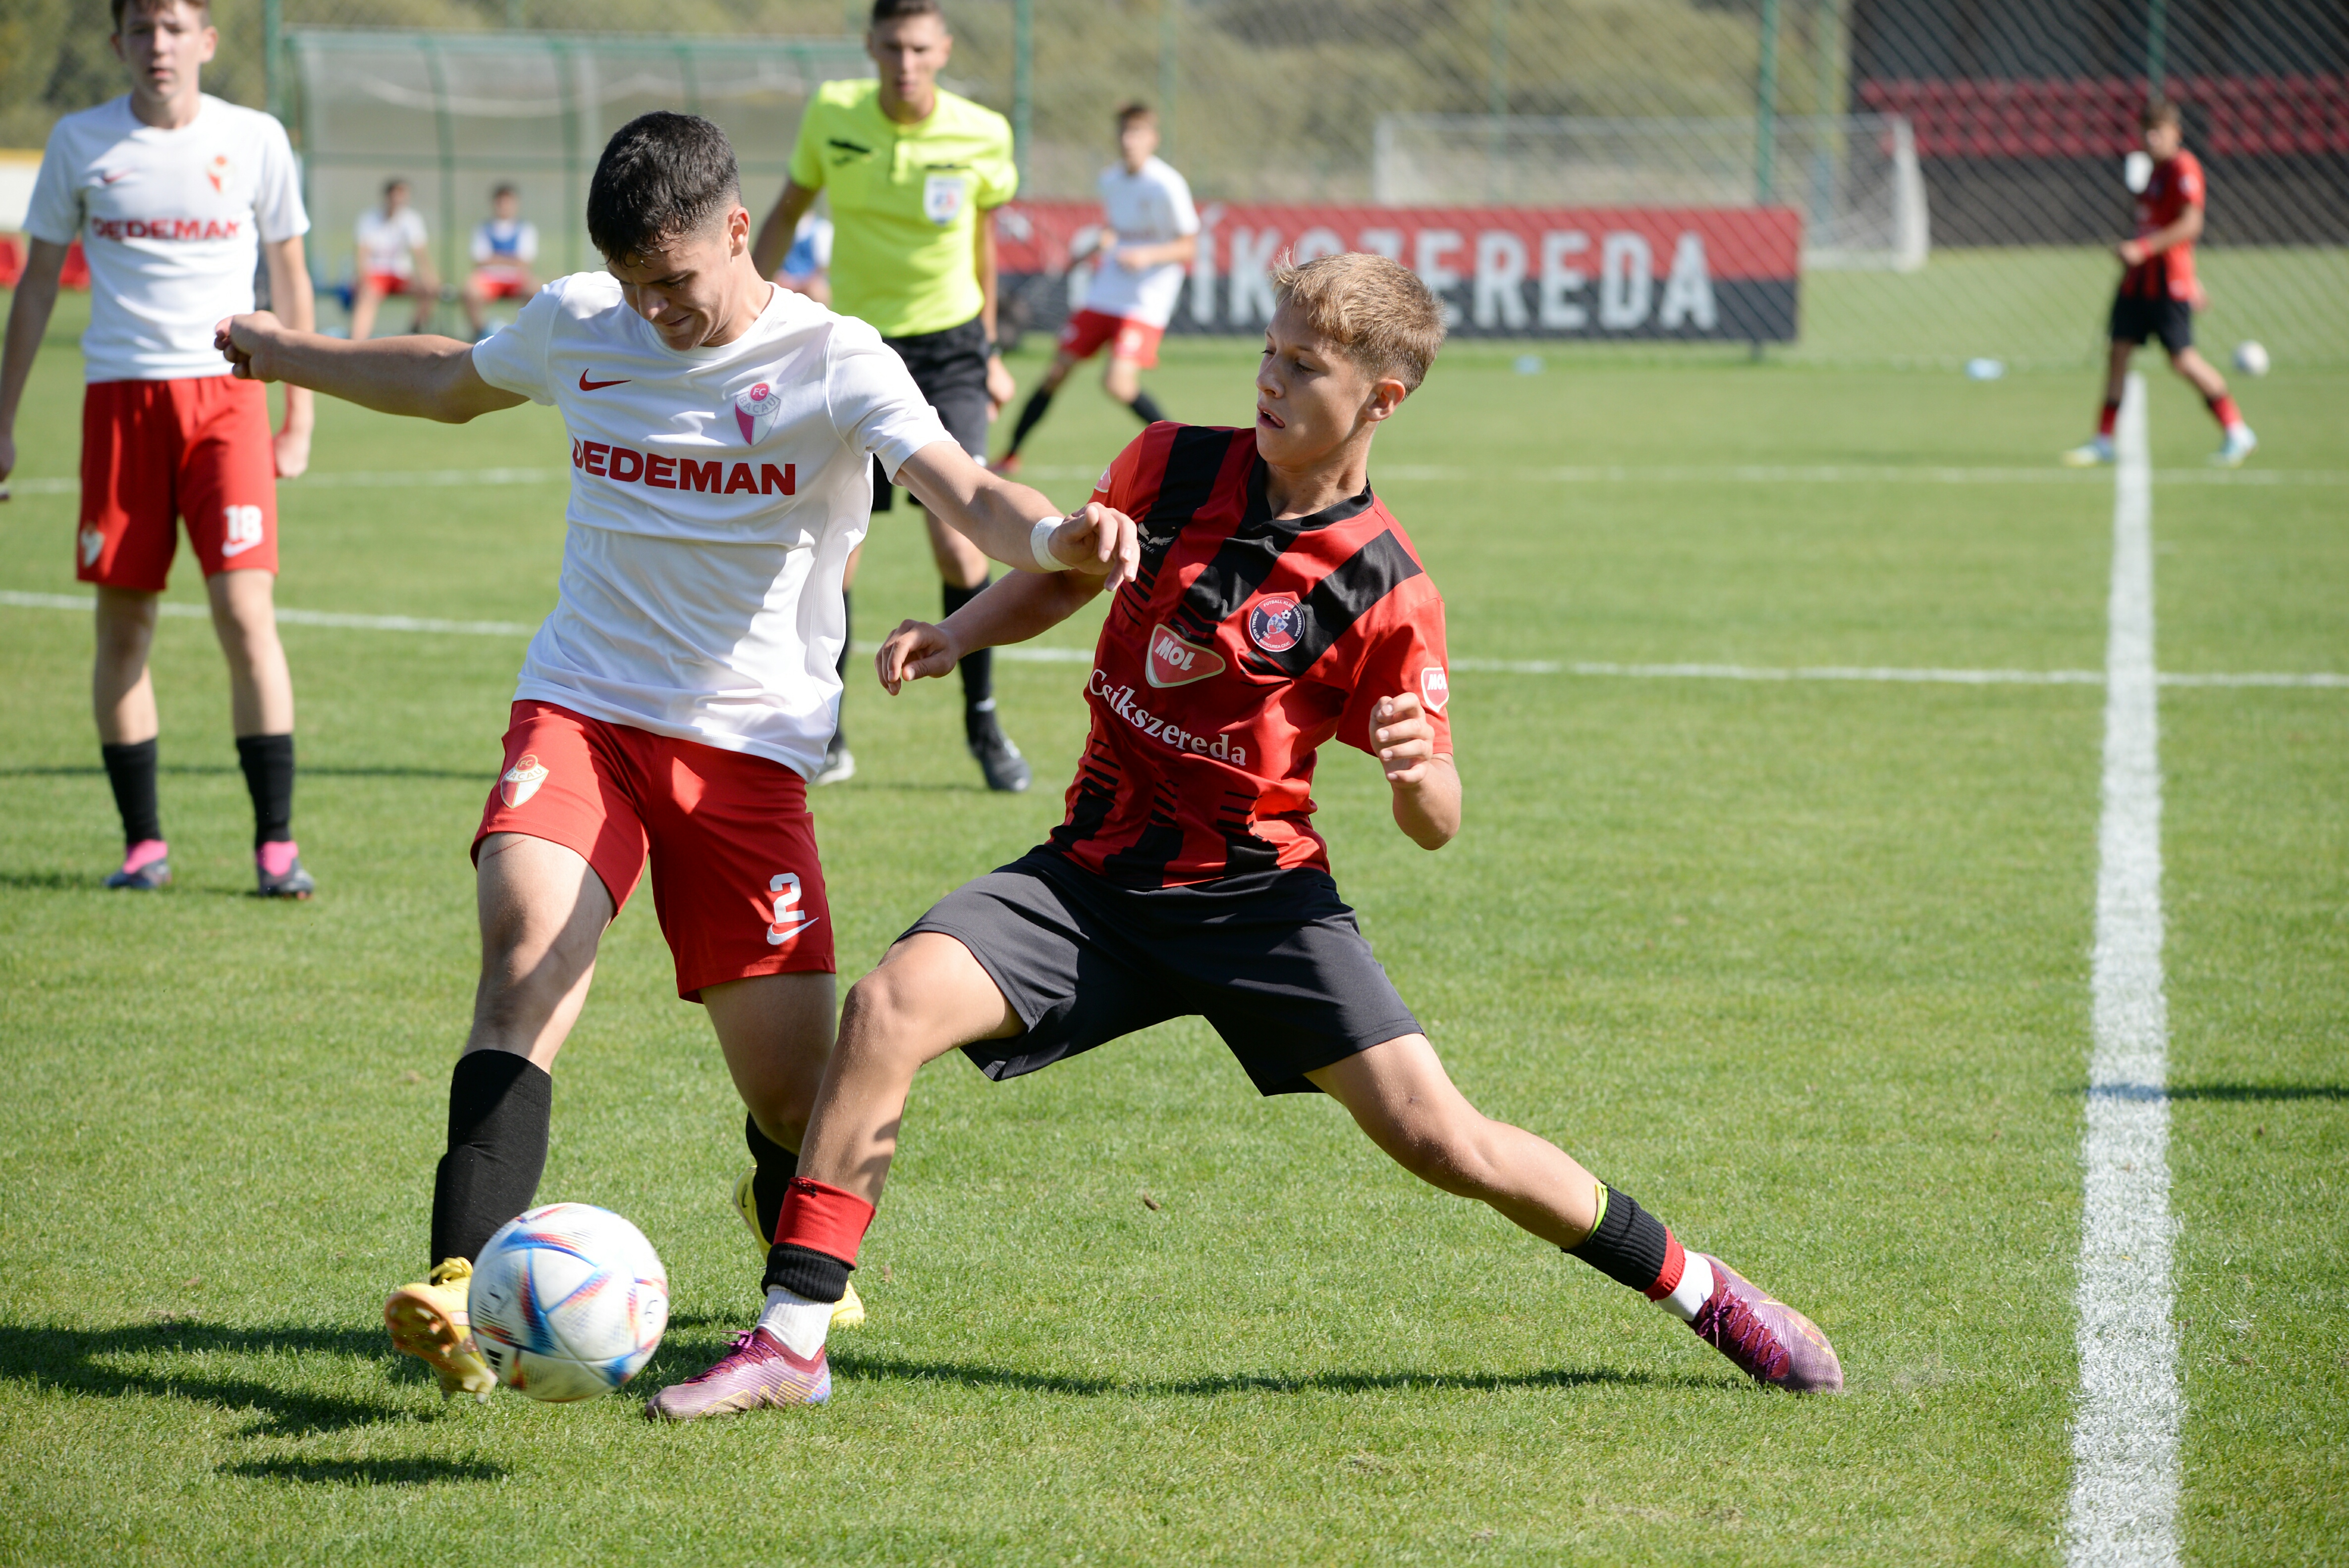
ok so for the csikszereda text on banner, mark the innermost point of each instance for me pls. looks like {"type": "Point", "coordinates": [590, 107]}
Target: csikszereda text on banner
{"type": "Point", "coordinates": [1700, 273]}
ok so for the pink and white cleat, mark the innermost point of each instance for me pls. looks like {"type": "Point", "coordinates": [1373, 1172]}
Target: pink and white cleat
{"type": "Point", "coordinates": [759, 1370]}
{"type": "Point", "coordinates": [1770, 1342]}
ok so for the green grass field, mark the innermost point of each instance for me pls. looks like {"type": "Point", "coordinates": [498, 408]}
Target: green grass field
{"type": "Point", "coordinates": [1802, 965]}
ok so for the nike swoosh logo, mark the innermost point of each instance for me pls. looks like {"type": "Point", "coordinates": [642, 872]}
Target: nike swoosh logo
{"type": "Point", "coordinates": [587, 385]}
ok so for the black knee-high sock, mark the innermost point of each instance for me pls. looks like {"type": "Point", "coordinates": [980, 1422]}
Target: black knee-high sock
{"type": "Point", "coordinates": [131, 771]}
{"type": "Point", "coordinates": [776, 1167]}
{"type": "Point", "coordinates": [1146, 408]}
{"type": "Point", "coordinates": [1029, 418]}
{"type": "Point", "coordinates": [1629, 1245]}
{"type": "Point", "coordinates": [499, 1104]}
{"type": "Point", "coordinates": [268, 764]}
{"type": "Point", "coordinates": [978, 668]}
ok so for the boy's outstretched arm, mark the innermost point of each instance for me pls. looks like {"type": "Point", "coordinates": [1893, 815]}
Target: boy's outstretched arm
{"type": "Point", "coordinates": [1008, 520]}
{"type": "Point", "coordinates": [1014, 610]}
{"type": "Point", "coordinates": [427, 377]}
{"type": "Point", "coordinates": [1426, 786]}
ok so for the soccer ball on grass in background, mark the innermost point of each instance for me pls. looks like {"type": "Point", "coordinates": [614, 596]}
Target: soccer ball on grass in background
{"type": "Point", "coordinates": [569, 1301]}
{"type": "Point", "coordinates": [2251, 358]}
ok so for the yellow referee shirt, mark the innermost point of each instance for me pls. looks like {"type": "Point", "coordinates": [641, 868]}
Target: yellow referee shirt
{"type": "Point", "coordinates": [904, 201]}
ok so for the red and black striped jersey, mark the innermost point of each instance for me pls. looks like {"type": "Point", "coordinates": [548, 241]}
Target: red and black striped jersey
{"type": "Point", "coordinates": [1244, 642]}
{"type": "Point", "coordinates": [2175, 185]}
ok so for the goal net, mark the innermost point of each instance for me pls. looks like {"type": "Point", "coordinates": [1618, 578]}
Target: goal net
{"type": "Point", "coordinates": [457, 113]}
{"type": "Point", "coordinates": [1854, 178]}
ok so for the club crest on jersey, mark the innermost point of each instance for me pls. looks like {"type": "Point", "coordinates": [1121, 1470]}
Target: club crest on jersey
{"type": "Point", "coordinates": [1434, 690]}
{"type": "Point", "coordinates": [218, 171]}
{"type": "Point", "coordinates": [755, 411]}
{"type": "Point", "coordinates": [1275, 625]}
{"type": "Point", "coordinates": [521, 781]}
{"type": "Point", "coordinates": [942, 198]}
{"type": "Point", "coordinates": [1173, 662]}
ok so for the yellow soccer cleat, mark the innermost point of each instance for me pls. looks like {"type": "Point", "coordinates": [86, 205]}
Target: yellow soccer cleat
{"type": "Point", "coordinates": [430, 1320]}
{"type": "Point", "coordinates": [850, 1313]}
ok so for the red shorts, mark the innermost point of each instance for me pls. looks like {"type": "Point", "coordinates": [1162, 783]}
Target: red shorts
{"type": "Point", "coordinates": [155, 452]}
{"type": "Point", "coordinates": [736, 882]}
{"type": "Point", "coordinates": [1137, 341]}
{"type": "Point", "coordinates": [388, 283]}
{"type": "Point", "coordinates": [500, 283]}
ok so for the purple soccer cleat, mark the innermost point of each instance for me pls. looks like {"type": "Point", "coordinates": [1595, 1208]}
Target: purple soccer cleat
{"type": "Point", "coordinates": [1770, 1342]}
{"type": "Point", "coordinates": [759, 1370]}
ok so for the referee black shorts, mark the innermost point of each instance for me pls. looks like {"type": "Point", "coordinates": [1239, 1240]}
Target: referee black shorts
{"type": "Point", "coordinates": [2136, 318]}
{"type": "Point", "coordinates": [1272, 959]}
{"type": "Point", "coordinates": [950, 367]}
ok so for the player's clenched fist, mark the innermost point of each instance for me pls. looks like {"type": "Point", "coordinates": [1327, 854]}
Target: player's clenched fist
{"type": "Point", "coordinates": [244, 341]}
{"type": "Point", "coordinates": [1098, 539]}
{"type": "Point", "coordinates": [1405, 739]}
{"type": "Point", "coordinates": [916, 651]}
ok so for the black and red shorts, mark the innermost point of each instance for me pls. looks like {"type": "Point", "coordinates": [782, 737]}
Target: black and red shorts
{"type": "Point", "coordinates": [1273, 960]}
{"type": "Point", "coordinates": [2138, 317]}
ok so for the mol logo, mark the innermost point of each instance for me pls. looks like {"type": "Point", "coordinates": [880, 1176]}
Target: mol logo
{"type": "Point", "coordinates": [1434, 690]}
{"type": "Point", "coordinates": [788, 919]}
{"type": "Point", "coordinates": [1173, 662]}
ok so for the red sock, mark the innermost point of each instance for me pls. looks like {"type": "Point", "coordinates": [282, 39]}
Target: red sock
{"type": "Point", "coordinates": [2224, 409]}
{"type": "Point", "coordinates": [822, 1219]}
{"type": "Point", "coordinates": [2112, 417]}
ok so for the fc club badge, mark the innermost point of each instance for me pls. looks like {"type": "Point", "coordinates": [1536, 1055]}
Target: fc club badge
{"type": "Point", "coordinates": [755, 411]}
{"type": "Point", "coordinates": [1275, 625]}
{"type": "Point", "coordinates": [218, 172]}
{"type": "Point", "coordinates": [521, 781]}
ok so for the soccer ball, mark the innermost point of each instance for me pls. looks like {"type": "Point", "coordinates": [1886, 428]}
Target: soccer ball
{"type": "Point", "coordinates": [568, 1302]}
{"type": "Point", "coordinates": [2251, 358]}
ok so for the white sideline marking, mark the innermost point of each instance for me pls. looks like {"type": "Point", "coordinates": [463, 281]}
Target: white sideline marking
{"type": "Point", "coordinates": [2124, 1505]}
{"type": "Point", "coordinates": [1049, 655]}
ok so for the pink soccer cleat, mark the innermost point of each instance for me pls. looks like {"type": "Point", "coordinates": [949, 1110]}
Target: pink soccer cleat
{"type": "Point", "coordinates": [759, 1370]}
{"type": "Point", "coordinates": [1770, 1342]}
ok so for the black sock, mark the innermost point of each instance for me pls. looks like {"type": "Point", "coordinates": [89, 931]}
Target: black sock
{"type": "Point", "coordinates": [1029, 418]}
{"type": "Point", "coordinates": [978, 668]}
{"type": "Point", "coordinates": [807, 1273]}
{"type": "Point", "coordinates": [499, 1104]}
{"type": "Point", "coordinates": [1145, 408]}
{"type": "Point", "coordinates": [776, 1167]}
{"type": "Point", "coordinates": [268, 764]}
{"type": "Point", "coordinates": [131, 771]}
{"type": "Point", "coordinates": [1630, 1244]}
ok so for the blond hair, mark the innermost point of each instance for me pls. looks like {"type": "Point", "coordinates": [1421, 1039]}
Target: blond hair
{"type": "Point", "coordinates": [1374, 309]}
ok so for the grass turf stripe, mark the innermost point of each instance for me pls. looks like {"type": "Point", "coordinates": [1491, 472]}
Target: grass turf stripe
{"type": "Point", "coordinates": [2124, 1500]}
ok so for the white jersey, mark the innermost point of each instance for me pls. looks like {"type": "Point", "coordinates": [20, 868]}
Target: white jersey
{"type": "Point", "coordinates": [505, 243]}
{"type": "Point", "coordinates": [171, 223]}
{"type": "Point", "coordinates": [715, 496]}
{"type": "Point", "coordinates": [386, 244]}
{"type": "Point", "coordinates": [1150, 208]}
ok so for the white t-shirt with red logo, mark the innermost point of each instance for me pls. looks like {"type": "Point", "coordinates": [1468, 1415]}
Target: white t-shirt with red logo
{"type": "Point", "coordinates": [715, 496]}
{"type": "Point", "coordinates": [388, 242]}
{"type": "Point", "coordinates": [171, 221]}
{"type": "Point", "coordinates": [1149, 208]}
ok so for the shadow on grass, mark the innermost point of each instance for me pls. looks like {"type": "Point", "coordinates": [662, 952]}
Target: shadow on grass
{"type": "Point", "coordinates": [52, 882]}
{"type": "Point", "coordinates": [169, 1358]}
{"type": "Point", "coordinates": [2260, 1091]}
{"type": "Point", "coordinates": [367, 1472]}
{"type": "Point", "coordinates": [308, 771]}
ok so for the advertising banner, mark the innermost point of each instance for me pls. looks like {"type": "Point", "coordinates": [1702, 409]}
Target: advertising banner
{"type": "Point", "coordinates": [1701, 273]}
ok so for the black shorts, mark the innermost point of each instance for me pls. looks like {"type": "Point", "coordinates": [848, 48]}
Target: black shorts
{"type": "Point", "coordinates": [1272, 959]}
{"type": "Point", "coordinates": [2136, 318]}
{"type": "Point", "coordinates": [950, 367]}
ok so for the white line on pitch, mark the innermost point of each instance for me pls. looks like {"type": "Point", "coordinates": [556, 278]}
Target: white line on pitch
{"type": "Point", "coordinates": [2124, 1502]}
{"type": "Point", "coordinates": [1051, 655]}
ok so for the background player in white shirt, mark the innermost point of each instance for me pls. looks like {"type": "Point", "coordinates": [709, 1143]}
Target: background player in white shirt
{"type": "Point", "coordinates": [504, 246]}
{"type": "Point", "coordinates": [1151, 233]}
{"type": "Point", "coordinates": [172, 193]}
{"type": "Point", "coordinates": [392, 259]}
{"type": "Point", "coordinates": [723, 434]}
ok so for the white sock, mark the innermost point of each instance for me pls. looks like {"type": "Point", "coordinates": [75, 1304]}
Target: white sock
{"type": "Point", "coordinates": [1692, 1293]}
{"type": "Point", "coordinates": [798, 1323]}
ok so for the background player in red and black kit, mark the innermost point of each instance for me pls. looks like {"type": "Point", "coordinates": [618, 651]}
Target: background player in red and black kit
{"type": "Point", "coordinates": [1277, 606]}
{"type": "Point", "coordinates": [2159, 293]}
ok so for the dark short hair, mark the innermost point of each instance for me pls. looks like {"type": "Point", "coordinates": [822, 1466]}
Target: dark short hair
{"type": "Point", "coordinates": [898, 10]}
{"type": "Point", "coordinates": [1128, 113]}
{"type": "Point", "coordinates": [662, 174]}
{"type": "Point", "coordinates": [122, 7]}
{"type": "Point", "coordinates": [397, 182]}
{"type": "Point", "coordinates": [2159, 111]}
{"type": "Point", "coordinates": [504, 188]}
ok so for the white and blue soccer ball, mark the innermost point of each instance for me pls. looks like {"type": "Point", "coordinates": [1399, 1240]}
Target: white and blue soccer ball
{"type": "Point", "coordinates": [568, 1302]}
{"type": "Point", "coordinates": [2251, 358]}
